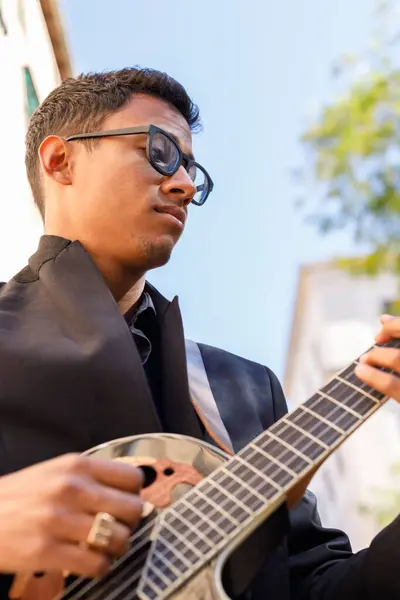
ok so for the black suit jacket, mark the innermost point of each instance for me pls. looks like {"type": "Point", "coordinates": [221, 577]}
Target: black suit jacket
{"type": "Point", "coordinates": [71, 378]}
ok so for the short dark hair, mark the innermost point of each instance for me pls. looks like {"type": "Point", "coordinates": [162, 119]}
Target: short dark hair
{"type": "Point", "coordinates": [81, 104]}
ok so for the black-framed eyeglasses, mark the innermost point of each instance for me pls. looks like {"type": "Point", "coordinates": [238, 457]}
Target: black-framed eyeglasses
{"type": "Point", "coordinates": [164, 155]}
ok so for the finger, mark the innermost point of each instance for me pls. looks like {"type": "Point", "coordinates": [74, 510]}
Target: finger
{"type": "Point", "coordinates": [390, 329]}
{"type": "Point", "coordinates": [386, 383]}
{"type": "Point", "coordinates": [126, 508]}
{"type": "Point", "coordinates": [115, 474]}
{"type": "Point", "coordinates": [388, 358]}
{"type": "Point", "coordinates": [382, 337]}
{"type": "Point", "coordinates": [83, 561]}
{"type": "Point", "coordinates": [73, 559]}
{"type": "Point", "coordinates": [74, 527]}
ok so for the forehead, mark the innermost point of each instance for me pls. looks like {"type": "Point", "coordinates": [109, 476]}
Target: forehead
{"type": "Point", "coordinates": [143, 109]}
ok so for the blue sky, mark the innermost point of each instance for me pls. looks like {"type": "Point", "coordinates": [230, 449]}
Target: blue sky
{"type": "Point", "coordinates": [257, 74]}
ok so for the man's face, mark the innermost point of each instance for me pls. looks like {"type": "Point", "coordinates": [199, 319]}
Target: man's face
{"type": "Point", "coordinates": [118, 197]}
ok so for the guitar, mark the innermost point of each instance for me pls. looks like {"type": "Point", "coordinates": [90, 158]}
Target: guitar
{"type": "Point", "coordinates": [201, 504]}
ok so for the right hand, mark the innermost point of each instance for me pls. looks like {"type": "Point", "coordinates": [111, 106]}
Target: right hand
{"type": "Point", "coordinates": [47, 511]}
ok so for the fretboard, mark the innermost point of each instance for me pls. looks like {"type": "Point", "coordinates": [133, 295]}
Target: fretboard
{"type": "Point", "coordinates": [257, 478]}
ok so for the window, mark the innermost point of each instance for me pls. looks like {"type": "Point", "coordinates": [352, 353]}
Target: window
{"type": "Point", "coordinates": [31, 97]}
{"type": "Point", "coordinates": [3, 26]}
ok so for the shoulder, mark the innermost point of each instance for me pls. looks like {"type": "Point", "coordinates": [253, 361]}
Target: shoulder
{"type": "Point", "coordinates": [251, 377]}
{"type": "Point", "coordinates": [226, 357]}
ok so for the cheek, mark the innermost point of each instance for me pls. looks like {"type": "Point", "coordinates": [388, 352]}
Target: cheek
{"type": "Point", "coordinates": [127, 176]}
{"type": "Point", "coordinates": [118, 190]}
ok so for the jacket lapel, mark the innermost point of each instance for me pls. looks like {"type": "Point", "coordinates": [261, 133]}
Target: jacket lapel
{"type": "Point", "coordinates": [239, 388]}
{"type": "Point", "coordinates": [90, 316]}
{"type": "Point", "coordinates": [179, 413]}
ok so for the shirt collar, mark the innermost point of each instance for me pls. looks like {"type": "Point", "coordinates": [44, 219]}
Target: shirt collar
{"type": "Point", "coordinates": [144, 304]}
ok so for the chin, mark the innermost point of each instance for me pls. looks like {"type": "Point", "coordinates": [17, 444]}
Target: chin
{"type": "Point", "coordinates": [156, 254]}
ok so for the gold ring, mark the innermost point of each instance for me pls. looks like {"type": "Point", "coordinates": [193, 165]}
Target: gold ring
{"type": "Point", "coordinates": [100, 533]}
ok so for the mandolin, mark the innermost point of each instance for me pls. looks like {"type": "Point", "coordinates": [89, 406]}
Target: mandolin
{"type": "Point", "coordinates": [201, 504]}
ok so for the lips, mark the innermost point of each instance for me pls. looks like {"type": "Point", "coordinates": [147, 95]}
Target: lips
{"type": "Point", "coordinates": [174, 211]}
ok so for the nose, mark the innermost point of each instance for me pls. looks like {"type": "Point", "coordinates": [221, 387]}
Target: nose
{"type": "Point", "coordinates": [179, 186]}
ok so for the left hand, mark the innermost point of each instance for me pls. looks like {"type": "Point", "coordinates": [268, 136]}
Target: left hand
{"type": "Point", "coordinates": [386, 383]}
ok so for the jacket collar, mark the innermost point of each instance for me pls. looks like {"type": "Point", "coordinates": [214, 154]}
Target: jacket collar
{"type": "Point", "coordinates": [75, 275]}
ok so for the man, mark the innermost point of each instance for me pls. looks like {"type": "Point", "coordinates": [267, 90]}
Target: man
{"type": "Point", "coordinates": [109, 159]}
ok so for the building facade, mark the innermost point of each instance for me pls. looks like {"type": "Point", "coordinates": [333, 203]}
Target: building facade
{"type": "Point", "coordinates": [33, 60]}
{"type": "Point", "coordinates": [335, 319]}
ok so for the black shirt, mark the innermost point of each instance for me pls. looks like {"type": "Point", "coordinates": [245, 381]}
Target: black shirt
{"type": "Point", "coordinates": [143, 323]}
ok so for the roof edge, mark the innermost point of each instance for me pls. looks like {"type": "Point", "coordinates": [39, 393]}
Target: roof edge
{"type": "Point", "coordinates": [51, 13]}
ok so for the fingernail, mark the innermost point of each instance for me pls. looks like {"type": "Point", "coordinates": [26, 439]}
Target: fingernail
{"type": "Point", "coordinates": [363, 358]}
{"type": "Point", "coordinates": [385, 318]}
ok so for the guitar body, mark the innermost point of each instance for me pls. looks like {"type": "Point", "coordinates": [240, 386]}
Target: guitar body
{"type": "Point", "coordinates": [173, 465]}
{"type": "Point", "coordinates": [203, 509]}
{"type": "Point", "coordinates": [178, 463]}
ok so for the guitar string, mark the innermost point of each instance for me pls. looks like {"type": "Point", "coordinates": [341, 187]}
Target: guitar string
{"type": "Point", "coordinates": [80, 580]}
{"type": "Point", "coordinates": [361, 388]}
{"type": "Point", "coordinates": [136, 576]}
{"type": "Point", "coordinates": [327, 416]}
{"type": "Point", "coordinates": [133, 578]}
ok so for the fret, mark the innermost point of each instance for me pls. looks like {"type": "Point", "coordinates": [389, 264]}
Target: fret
{"type": "Point", "coordinates": [299, 439]}
{"type": "Point", "coordinates": [272, 446]}
{"type": "Point", "coordinates": [273, 487]}
{"type": "Point", "coordinates": [189, 549]}
{"type": "Point", "coordinates": [227, 502]}
{"type": "Point", "coordinates": [287, 453]}
{"type": "Point", "coordinates": [149, 592]}
{"type": "Point", "coordinates": [323, 419]}
{"type": "Point", "coordinates": [254, 477]}
{"type": "Point", "coordinates": [169, 554]}
{"type": "Point", "coordinates": [161, 559]}
{"type": "Point", "coordinates": [289, 449]}
{"type": "Point", "coordinates": [208, 536]}
{"type": "Point", "coordinates": [305, 433]}
{"type": "Point", "coordinates": [351, 399]}
{"type": "Point", "coordinates": [160, 575]}
{"type": "Point", "coordinates": [275, 460]}
{"type": "Point", "coordinates": [230, 522]}
{"type": "Point", "coordinates": [234, 503]}
{"type": "Point", "coordinates": [266, 463]}
{"type": "Point", "coordinates": [348, 375]}
{"type": "Point", "coordinates": [163, 568]}
{"type": "Point", "coordinates": [155, 582]}
{"type": "Point", "coordinates": [319, 396]}
{"type": "Point", "coordinates": [210, 524]}
{"type": "Point", "coordinates": [248, 466]}
{"type": "Point", "coordinates": [240, 490]}
{"type": "Point", "coordinates": [313, 424]}
{"type": "Point", "coordinates": [357, 389]}
{"type": "Point", "coordinates": [340, 415]}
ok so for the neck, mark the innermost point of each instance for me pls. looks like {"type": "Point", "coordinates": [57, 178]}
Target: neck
{"type": "Point", "coordinates": [126, 285]}
{"type": "Point", "coordinates": [132, 295]}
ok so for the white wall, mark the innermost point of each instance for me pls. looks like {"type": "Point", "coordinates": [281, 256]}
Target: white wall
{"type": "Point", "coordinates": [338, 323]}
{"type": "Point", "coordinates": [20, 224]}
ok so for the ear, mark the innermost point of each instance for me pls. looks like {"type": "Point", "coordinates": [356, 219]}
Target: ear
{"type": "Point", "coordinates": [55, 158]}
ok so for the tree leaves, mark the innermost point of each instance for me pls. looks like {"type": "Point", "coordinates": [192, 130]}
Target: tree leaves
{"type": "Point", "coordinates": [353, 153]}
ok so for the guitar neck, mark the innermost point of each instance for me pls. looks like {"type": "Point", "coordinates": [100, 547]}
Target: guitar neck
{"type": "Point", "coordinates": [257, 478]}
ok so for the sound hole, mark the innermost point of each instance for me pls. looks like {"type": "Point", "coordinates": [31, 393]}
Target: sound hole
{"type": "Point", "coordinates": [169, 471]}
{"type": "Point", "coordinates": [149, 475]}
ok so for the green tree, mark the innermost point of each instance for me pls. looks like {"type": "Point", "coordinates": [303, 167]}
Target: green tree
{"type": "Point", "coordinates": [353, 157]}
{"type": "Point", "coordinates": [352, 150]}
